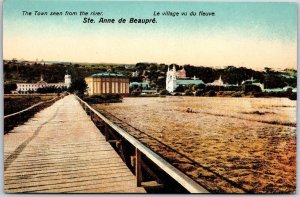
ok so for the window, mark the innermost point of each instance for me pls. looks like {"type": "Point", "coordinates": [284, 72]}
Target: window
{"type": "Point", "coordinates": [123, 89]}
{"type": "Point", "coordinates": [103, 87]}
{"type": "Point", "coordinates": [107, 87]}
{"type": "Point", "coordinates": [117, 87]}
{"type": "Point", "coordinates": [113, 87]}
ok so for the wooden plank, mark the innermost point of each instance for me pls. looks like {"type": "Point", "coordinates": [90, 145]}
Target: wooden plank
{"type": "Point", "coordinates": [65, 153]}
{"type": "Point", "coordinates": [68, 180]}
{"type": "Point", "coordinates": [66, 165]}
{"type": "Point", "coordinates": [13, 178]}
{"type": "Point", "coordinates": [73, 186]}
{"type": "Point", "coordinates": [45, 160]}
{"type": "Point", "coordinates": [118, 187]}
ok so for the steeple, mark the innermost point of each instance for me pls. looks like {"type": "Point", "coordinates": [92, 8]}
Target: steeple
{"type": "Point", "coordinates": [174, 69]}
{"type": "Point", "coordinates": [42, 78]}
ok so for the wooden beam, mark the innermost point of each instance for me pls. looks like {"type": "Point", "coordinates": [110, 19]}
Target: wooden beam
{"type": "Point", "coordinates": [91, 115]}
{"type": "Point", "coordinates": [116, 142]}
{"type": "Point", "coordinates": [106, 132]}
{"type": "Point", "coordinates": [150, 172]}
{"type": "Point", "coordinates": [132, 161]}
{"type": "Point", "coordinates": [113, 141]}
{"type": "Point", "coordinates": [120, 150]}
{"type": "Point", "coordinates": [138, 168]}
{"type": "Point", "coordinates": [151, 185]}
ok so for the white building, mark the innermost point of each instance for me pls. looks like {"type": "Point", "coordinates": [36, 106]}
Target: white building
{"type": "Point", "coordinates": [218, 82]}
{"type": "Point", "coordinates": [68, 80]}
{"type": "Point", "coordinates": [284, 89]}
{"type": "Point", "coordinates": [175, 78]}
{"type": "Point", "coordinates": [143, 85]}
{"type": "Point", "coordinates": [32, 87]}
{"type": "Point", "coordinates": [135, 74]}
{"type": "Point", "coordinates": [253, 82]}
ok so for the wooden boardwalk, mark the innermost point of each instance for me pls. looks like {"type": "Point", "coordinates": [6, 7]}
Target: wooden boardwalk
{"type": "Point", "coordinates": [60, 150]}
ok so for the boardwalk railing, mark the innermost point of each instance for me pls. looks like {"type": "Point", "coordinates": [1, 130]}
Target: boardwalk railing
{"type": "Point", "coordinates": [189, 184]}
{"type": "Point", "coordinates": [12, 120]}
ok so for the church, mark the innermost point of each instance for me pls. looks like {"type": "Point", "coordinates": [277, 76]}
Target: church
{"type": "Point", "coordinates": [218, 82]}
{"type": "Point", "coordinates": [23, 88]}
{"type": "Point", "coordinates": [176, 78]}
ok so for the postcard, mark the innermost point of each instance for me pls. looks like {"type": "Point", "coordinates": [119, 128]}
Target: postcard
{"type": "Point", "coordinates": [149, 97]}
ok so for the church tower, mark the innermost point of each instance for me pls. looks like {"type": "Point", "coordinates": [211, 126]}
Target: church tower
{"type": "Point", "coordinates": [171, 79]}
{"type": "Point", "coordinates": [68, 80]}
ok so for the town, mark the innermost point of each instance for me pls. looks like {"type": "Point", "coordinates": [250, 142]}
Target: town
{"type": "Point", "coordinates": [149, 79]}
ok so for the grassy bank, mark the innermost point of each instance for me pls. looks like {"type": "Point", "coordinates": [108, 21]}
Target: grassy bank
{"type": "Point", "coordinates": [15, 103]}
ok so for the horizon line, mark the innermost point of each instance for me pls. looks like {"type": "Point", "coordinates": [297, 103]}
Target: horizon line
{"type": "Point", "coordinates": [118, 63]}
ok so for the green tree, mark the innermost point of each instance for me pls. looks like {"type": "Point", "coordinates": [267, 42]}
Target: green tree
{"type": "Point", "coordinates": [188, 93]}
{"type": "Point", "coordinates": [179, 88]}
{"type": "Point", "coordinates": [164, 92]}
{"type": "Point", "coordinates": [78, 86]}
{"type": "Point", "coordinates": [9, 87]}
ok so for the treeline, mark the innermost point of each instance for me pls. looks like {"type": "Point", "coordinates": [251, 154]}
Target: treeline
{"type": "Point", "coordinates": [24, 72]}
{"type": "Point", "coordinates": [230, 74]}
{"type": "Point", "coordinates": [156, 73]}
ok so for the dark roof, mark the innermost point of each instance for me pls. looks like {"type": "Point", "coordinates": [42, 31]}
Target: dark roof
{"type": "Point", "coordinates": [106, 74]}
{"type": "Point", "coordinates": [249, 81]}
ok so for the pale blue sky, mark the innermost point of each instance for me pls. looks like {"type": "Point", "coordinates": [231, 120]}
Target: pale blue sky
{"type": "Point", "coordinates": [243, 34]}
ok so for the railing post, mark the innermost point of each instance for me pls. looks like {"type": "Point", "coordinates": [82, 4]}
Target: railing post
{"type": "Point", "coordinates": [19, 118]}
{"type": "Point", "coordinates": [106, 132]}
{"type": "Point", "coordinates": [138, 167]}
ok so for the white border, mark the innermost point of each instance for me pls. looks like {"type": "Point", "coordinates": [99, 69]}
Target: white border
{"type": "Point", "coordinates": [2, 107]}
